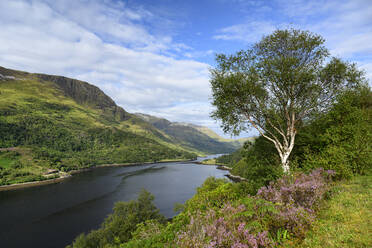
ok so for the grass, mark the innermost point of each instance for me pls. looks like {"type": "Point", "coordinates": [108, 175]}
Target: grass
{"type": "Point", "coordinates": [346, 219]}
{"type": "Point", "coordinates": [21, 163]}
{"type": "Point", "coordinates": [6, 162]}
{"type": "Point", "coordinates": [209, 161]}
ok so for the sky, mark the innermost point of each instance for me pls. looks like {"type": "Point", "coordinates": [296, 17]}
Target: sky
{"type": "Point", "coordinates": [154, 56]}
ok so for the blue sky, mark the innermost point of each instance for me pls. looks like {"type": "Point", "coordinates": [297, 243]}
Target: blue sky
{"type": "Point", "coordinates": [153, 56]}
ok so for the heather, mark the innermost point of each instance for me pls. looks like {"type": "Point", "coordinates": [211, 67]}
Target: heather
{"type": "Point", "coordinates": [297, 201]}
{"type": "Point", "coordinates": [345, 220]}
{"type": "Point", "coordinates": [287, 205]}
{"type": "Point", "coordinates": [225, 214]}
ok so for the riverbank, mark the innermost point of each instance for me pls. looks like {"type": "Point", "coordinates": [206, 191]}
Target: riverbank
{"type": "Point", "coordinates": [232, 177]}
{"type": "Point", "coordinates": [33, 184]}
{"type": "Point", "coordinates": [65, 175]}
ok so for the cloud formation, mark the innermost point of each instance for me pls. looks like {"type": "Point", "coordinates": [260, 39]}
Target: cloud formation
{"type": "Point", "coordinates": [128, 50]}
{"type": "Point", "coordinates": [346, 25]}
{"type": "Point", "coordinates": [250, 31]}
{"type": "Point", "coordinates": [105, 44]}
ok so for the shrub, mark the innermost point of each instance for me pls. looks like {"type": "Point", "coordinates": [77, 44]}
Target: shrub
{"type": "Point", "coordinates": [215, 193]}
{"type": "Point", "coordinates": [225, 228]}
{"type": "Point", "coordinates": [258, 172]}
{"type": "Point", "coordinates": [340, 139]}
{"type": "Point", "coordinates": [296, 198]}
{"type": "Point", "coordinates": [118, 227]}
{"type": "Point", "coordinates": [260, 164]}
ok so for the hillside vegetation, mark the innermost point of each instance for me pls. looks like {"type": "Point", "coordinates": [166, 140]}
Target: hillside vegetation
{"type": "Point", "coordinates": [345, 220]}
{"type": "Point", "coordinates": [52, 122]}
{"type": "Point", "coordinates": [194, 137]}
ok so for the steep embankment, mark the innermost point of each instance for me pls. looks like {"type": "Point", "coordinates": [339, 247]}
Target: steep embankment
{"type": "Point", "coordinates": [66, 124]}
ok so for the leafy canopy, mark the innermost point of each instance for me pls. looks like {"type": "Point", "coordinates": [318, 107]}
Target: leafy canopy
{"type": "Point", "coordinates": [277, 84]}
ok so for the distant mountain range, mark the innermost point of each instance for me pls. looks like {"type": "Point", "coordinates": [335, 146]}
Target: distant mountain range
{"type": "Point", "coordinates": [49, 121]}
{"type": "Point", "coordinates": [194, 137]}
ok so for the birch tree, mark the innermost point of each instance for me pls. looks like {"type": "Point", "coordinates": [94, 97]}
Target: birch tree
{"type": "Point", "coordinates": [276, 85]}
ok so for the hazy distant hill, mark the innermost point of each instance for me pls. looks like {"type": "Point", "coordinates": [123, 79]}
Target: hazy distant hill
{"type": "Point", "coordinates": [193, 136]}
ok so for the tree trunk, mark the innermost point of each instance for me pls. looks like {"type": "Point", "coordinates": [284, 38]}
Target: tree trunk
{"type": "Point", "coordinates": [285, 162]}
{"type": "Point", "coordinates": [284, 148]}
{"type": "Point", "coordinates": [285, 152]}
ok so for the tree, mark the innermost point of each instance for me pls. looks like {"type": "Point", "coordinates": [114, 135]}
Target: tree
{"type": "Point", "coordinates": [276, 85]}
{"type": "Point", "coordinates": [120, 225]}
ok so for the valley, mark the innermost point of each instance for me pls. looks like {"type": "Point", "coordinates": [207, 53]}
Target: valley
{"type": "Point", "coordinates": [51, 126]}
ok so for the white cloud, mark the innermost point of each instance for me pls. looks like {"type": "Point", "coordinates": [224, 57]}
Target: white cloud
{"type": "Point", "coordinates": [247, 32]}
{"type": "Point", "coordinates": [102, 44]}
{"type": "Point", "coordinates": [367, 67]}
{"type": "Point", "coordinates": [345, 24]}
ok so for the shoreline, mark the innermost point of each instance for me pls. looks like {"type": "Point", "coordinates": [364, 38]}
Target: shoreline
{"type": "Point", "coordinates": [236, 179]}
{"type": "Point", "coordinates": [69, 174]}
{"type": "Point", "coordinates": [16, 186]}
{"type": "Point", "coordinates": [230, 176]}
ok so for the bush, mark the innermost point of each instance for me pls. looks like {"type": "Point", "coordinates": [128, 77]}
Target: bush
{"type": "Point", "coordinates": [285, 207]}
{"type": "Point", "coordinates": [118, 227]}
{"type": "Point", "coordinates": [341, 139]}
{"type": "Point", "coordinates": [296, 198]}
{"type": "Point", "coordinates": [224, 228]}
{"type": "Point", "coordinates": [260, 164]}
{"type": "Point", "coordinates": [258, 172]}
{"type": "Point", "coordinates": [230, 159]}
{"type": "Point", "coordinates": [215, 193]}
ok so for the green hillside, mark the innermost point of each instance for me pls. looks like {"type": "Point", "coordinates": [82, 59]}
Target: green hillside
{"type": "Point", "coordinates": [52, 122]}
{"type": "Point", "coordinates": [196, 138]}
{"type": "Point", "coordinates": [237, 143]}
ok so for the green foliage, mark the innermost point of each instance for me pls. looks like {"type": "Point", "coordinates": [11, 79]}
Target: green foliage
{"type": "Point", "coordinates": [9, 159]}
{"type": "Point", "coordinates": [230, 159]}
{"type": "Point", "coordinates": [119, 226]}
{"type": "Point", "coordinates": [214, 193]}
{"type": "Point", "coordinates": [277, 84]}
{"type": "Point", "coordinates": [340, 139]}
{"type": "Point", "coordinates": [148, 234]}
{"type": "Point", "coordinates": [14, 169]}
{"type": "Point", "coordinates": [260, 164]}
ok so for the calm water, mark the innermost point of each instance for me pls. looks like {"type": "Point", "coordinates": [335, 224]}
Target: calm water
{"type": "Point", "coordinates": [53, 215]}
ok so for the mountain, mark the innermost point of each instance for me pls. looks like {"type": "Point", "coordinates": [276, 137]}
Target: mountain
{"type": "Point", "coordinates": [52, 122]}
{"type": "Point", "coordinates": [50, 125]}
{"type": "Point", "coordinates": [237, 143]}
{"type": "Point", "coordinates": [192, 136]}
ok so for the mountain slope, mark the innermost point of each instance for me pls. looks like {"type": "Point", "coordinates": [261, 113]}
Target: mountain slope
{"type": "Point", "coordinates": [65, 124]}
{"type": "Point", "coordinates": [191, 136]}
{"type": "Point", "coordinates": [237, 143]}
